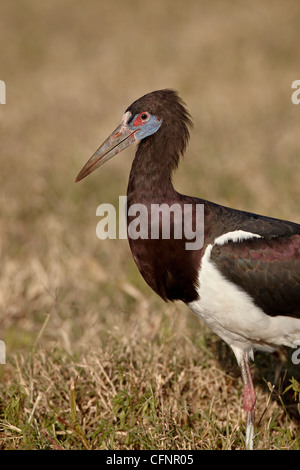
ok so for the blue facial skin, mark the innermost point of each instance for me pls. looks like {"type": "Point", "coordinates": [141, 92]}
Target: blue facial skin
{"type": "Point", "coordinates": [149, 128]}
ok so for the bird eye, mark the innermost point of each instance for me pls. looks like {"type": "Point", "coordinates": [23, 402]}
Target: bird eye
{"type": "Point", "coordinates": [144, 116]}
{"type": "Point", "coordinates": [141, 119]}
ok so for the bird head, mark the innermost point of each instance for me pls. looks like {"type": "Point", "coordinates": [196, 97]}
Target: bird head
{"type": "Point", "coordinates": [142, 119]}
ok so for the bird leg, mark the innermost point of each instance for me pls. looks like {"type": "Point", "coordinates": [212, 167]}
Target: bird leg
{"type": "Point", "coordinates": [249, 401]}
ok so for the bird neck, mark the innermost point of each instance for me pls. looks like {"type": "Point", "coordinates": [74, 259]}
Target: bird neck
{"type": "Point", "coordinates": [151, 172]}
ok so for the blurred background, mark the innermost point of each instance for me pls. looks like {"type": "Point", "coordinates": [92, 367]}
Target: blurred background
{"type": "Point", "coordinates": [71, 68]}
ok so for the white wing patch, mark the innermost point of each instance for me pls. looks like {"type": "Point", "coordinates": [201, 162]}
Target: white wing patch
{"type": "Point", "coordinates": [235, 236]}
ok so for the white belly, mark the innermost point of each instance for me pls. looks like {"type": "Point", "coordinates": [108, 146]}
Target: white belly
{"type": "Point", "coordinates": [231, 314]}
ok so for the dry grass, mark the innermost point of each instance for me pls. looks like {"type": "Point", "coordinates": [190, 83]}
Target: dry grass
{"type": "Point", "coordinates": [94, 358]}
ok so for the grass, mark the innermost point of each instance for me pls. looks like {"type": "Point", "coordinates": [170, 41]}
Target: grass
{"type": "Point", "coordinates": [132, 396]}
{"type": "Point", "coordinates": [94, 359]}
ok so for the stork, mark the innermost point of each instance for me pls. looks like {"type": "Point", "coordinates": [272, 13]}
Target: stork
{"type": "Point", "coordinates": [244, 280]}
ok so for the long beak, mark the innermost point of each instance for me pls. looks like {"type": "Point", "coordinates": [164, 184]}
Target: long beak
{"type": "Point", "coordinates": [121, 138]}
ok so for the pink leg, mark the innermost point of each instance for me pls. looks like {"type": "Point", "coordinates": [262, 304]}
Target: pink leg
{"type": "Point", "coordinates": [249, 401]}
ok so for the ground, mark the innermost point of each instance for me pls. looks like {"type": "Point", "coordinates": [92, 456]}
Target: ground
{"type": "Point", "coordinates": [93, 358]}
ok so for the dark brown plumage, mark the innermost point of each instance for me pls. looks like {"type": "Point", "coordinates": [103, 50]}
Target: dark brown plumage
{"type": "Point", "coordinates": [169, 269]}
